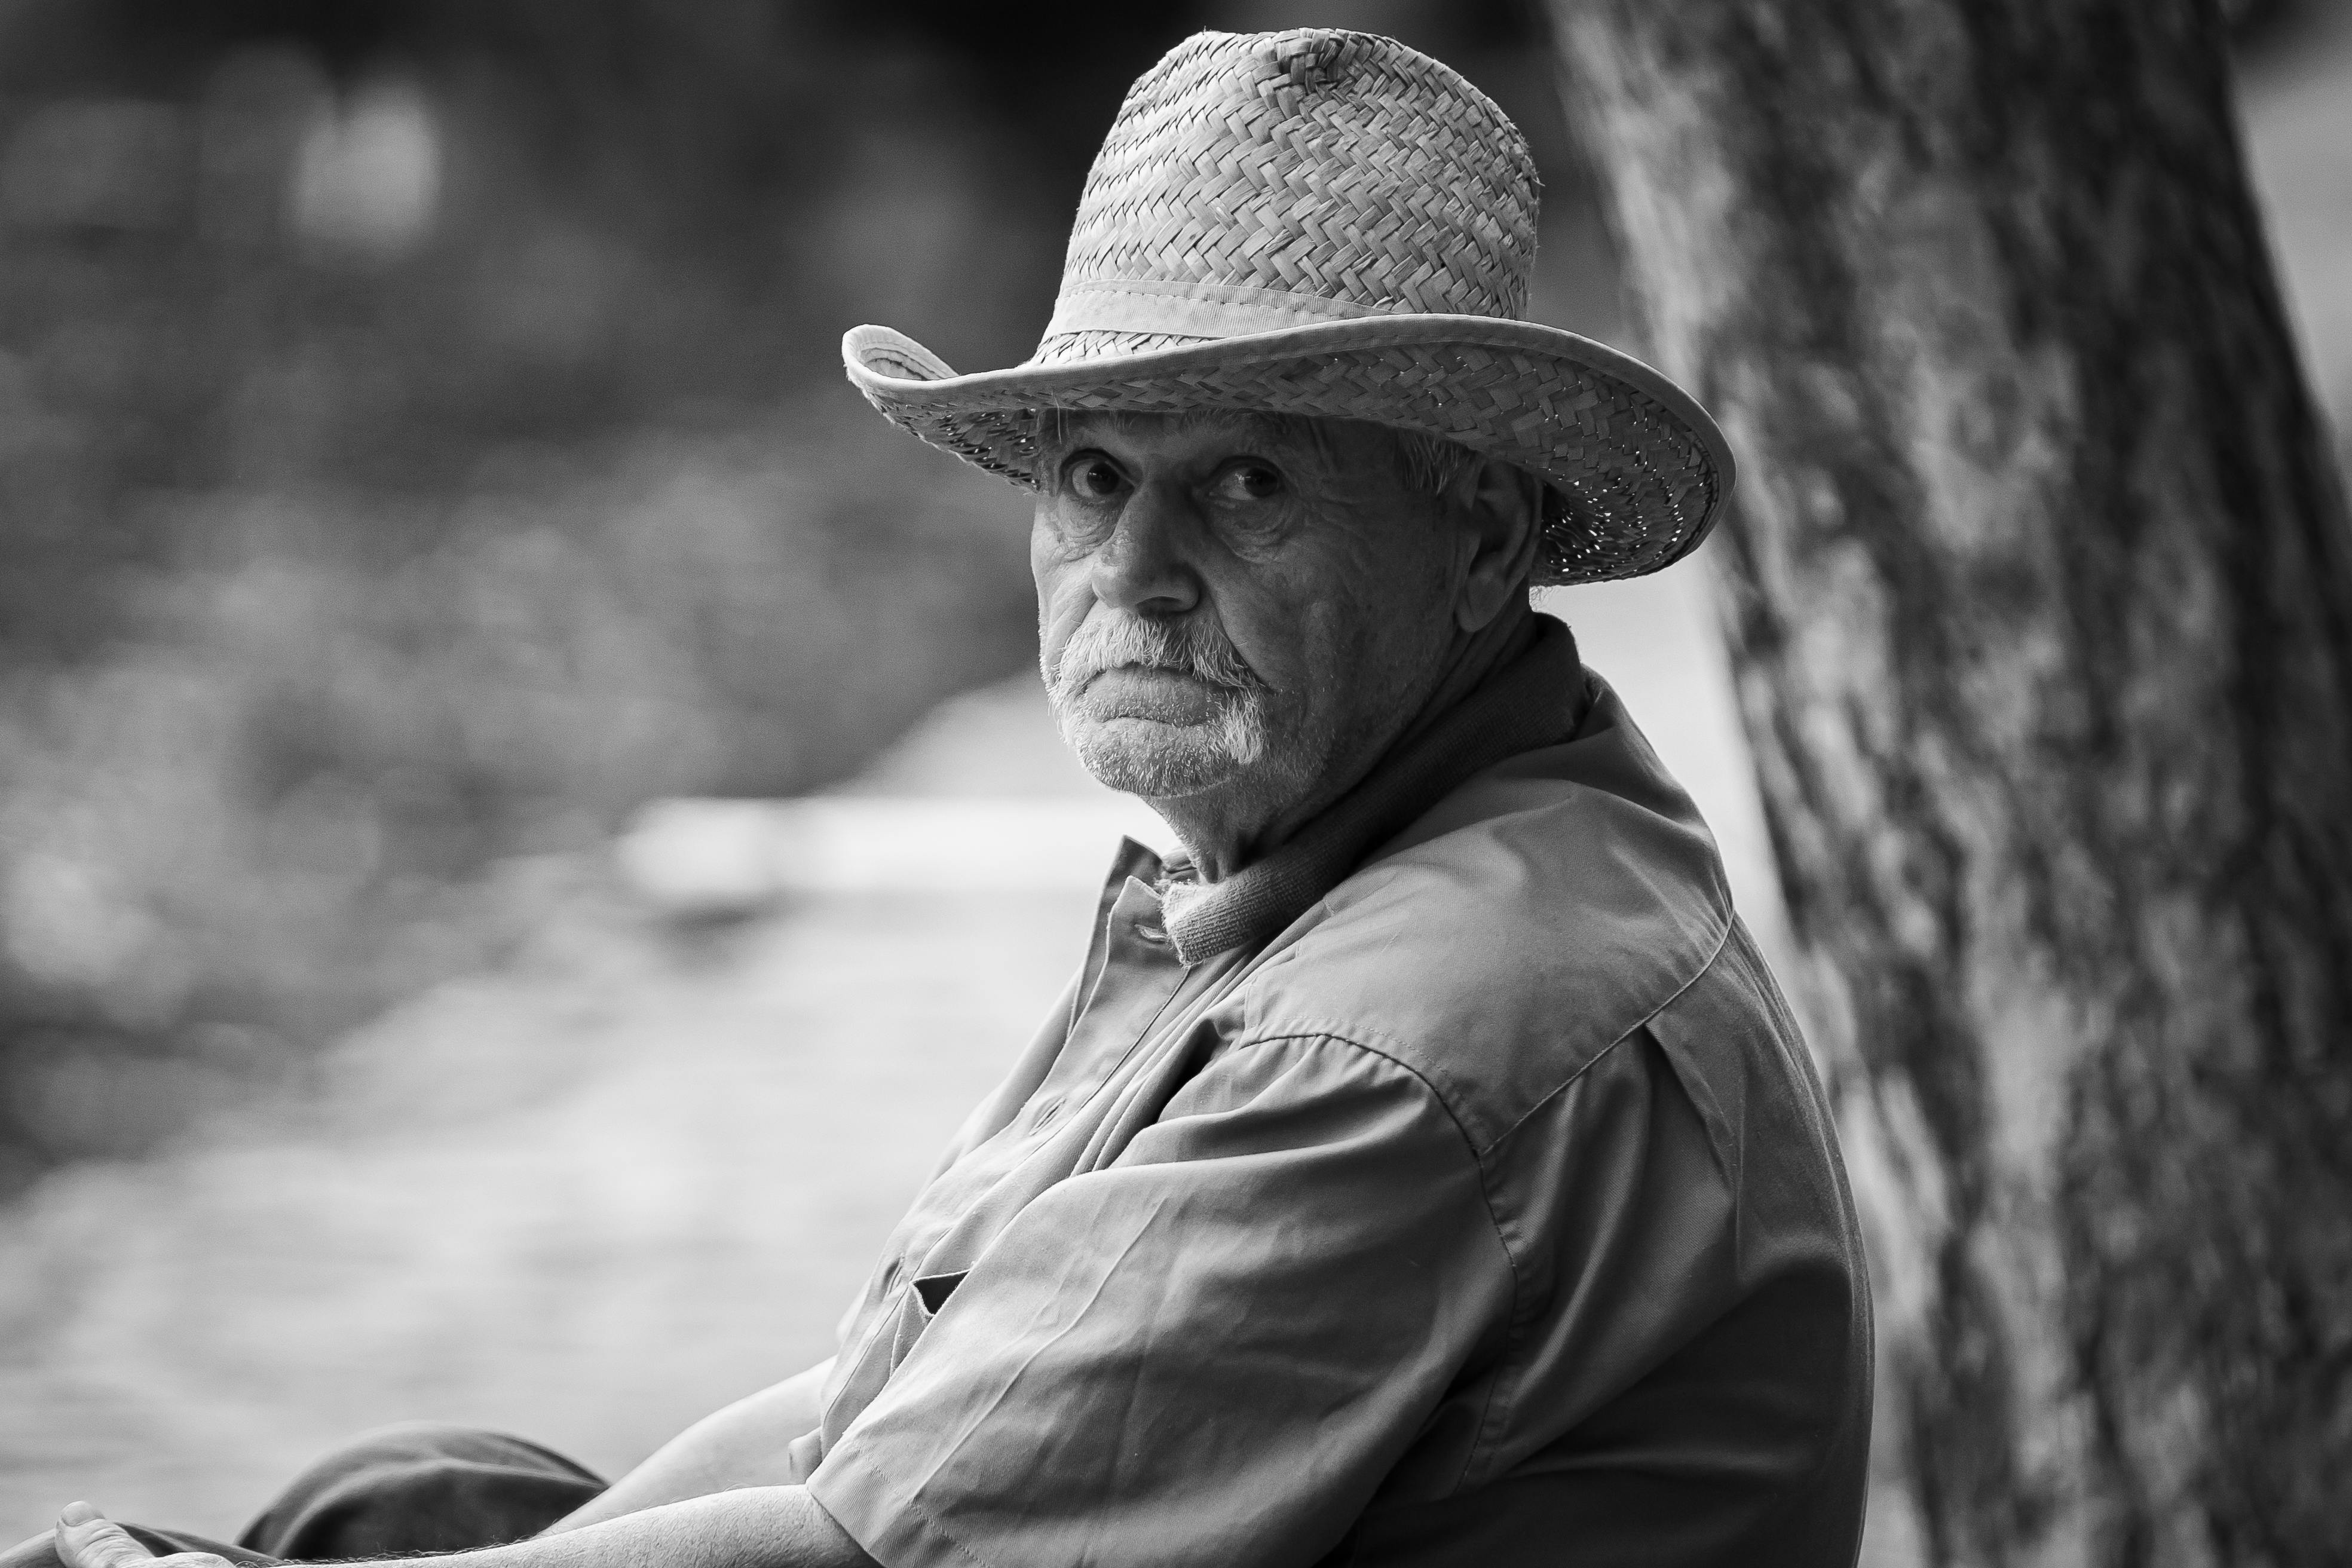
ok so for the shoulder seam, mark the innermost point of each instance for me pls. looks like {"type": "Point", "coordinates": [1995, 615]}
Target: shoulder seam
{"type": "Point", "coordinates": [1288, 1036]}
{"type": "Point", "coordinates": [1713, 955]}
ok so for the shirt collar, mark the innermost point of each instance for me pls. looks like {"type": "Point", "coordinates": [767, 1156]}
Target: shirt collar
{"type": "Point", "coordinates": [1535, 701]}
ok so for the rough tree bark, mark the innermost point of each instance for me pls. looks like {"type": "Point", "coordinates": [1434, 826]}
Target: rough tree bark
{"type": "Point", "coordinates": [2039, 591]}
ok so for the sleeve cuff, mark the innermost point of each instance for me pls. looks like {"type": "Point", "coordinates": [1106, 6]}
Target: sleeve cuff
{"type": "Point", "coordinates": [888, 1522]}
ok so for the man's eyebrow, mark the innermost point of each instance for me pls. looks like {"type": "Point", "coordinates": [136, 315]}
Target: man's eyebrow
{"type": "Point", "coordinates": [1302, 443]}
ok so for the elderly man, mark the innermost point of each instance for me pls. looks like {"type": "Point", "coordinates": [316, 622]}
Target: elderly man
{"type": "Point", "coordinates": [1422, 1168]}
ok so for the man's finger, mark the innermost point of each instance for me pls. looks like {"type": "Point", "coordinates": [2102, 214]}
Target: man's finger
{"type": "Point", "coordinates": [88, 1539]}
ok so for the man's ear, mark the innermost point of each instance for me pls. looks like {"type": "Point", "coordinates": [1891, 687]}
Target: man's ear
{"type": "Point", "coordinates": [1498, 507]}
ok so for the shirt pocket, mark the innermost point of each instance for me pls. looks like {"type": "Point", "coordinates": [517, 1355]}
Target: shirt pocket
{"type": "Point", "coordinates": [933, 1291]}
{"type": "Point", "coordinates": [918, 1303]}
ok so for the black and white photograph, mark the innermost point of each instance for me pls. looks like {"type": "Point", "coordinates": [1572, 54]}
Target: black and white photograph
{"type": "Point", "coordinates": [1422, 783]}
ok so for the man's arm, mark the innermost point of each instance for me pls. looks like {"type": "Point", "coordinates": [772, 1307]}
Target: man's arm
{"type": "Point", "coordinates": [740, 1446]}
{"type": "Point", "coordinates": [1211, 1350]}
{"type": "Point", "coordinates": [758, 1527]}
{"type": "Point", "coordinates": [708, 1498]}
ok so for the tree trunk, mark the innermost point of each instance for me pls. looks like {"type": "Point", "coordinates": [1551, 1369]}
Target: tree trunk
{"type": "Point", "coordinates": [2038, 591]}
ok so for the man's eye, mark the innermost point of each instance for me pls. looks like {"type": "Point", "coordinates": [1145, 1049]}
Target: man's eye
{"type": "Point", "coordinates": [1093, 478]}
{"type": "Point", "coordinates": [1248, 482]}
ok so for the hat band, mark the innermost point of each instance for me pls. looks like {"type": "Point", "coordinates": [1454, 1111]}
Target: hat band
{"type": "Point", "coordinates": [1191, 310]}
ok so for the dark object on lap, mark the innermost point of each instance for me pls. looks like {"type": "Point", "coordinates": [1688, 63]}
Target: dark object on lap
{"type": "Point", "coordinates": [418, 1487]}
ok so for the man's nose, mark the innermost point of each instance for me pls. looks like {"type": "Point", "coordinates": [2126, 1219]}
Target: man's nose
{"type": "Point", "coordinates": [1142, 566]}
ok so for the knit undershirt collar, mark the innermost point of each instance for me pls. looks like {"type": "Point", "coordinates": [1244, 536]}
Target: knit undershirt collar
{"type": "Point", "coordinates": [1537, 699]}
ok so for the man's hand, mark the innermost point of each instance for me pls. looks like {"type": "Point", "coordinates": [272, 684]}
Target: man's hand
{"type": "Point", "coordinates": [758, 1527]}
{"type": "Point", "coordinates": [88, 1539]}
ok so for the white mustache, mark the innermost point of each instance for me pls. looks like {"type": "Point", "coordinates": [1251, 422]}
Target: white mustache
{"type": "Point", "coordinates": [1196, 647]}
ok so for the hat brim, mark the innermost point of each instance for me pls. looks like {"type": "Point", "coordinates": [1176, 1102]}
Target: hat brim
{"type": "Point", "coordinates": [1637, 471]}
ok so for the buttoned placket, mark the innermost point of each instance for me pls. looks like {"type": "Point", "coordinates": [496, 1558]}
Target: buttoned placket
{"type": "Point", "coordinates": [1131, 977]}
{"type": "Point", "coordinates": [1134, 973]}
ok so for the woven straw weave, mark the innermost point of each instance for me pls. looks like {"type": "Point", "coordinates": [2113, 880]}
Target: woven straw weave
{"type": "Point", "coordinates": [1336, 165]}
{"type": "Point", "coordinates": [1330, 223]}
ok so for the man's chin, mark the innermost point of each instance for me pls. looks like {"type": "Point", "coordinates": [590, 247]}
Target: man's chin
{"type": "Point", "coordinates": [1156, 761]}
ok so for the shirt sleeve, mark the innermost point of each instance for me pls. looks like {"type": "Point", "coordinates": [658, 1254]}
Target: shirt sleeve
{"type": "Point", "coordinates": [1210, 1351]}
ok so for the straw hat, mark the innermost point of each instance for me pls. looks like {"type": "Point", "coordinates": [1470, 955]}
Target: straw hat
{"type": "Point", "coordinates": [1328, 223]}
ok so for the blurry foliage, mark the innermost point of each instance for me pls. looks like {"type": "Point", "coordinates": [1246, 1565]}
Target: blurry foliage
{"type": "Point", "coordinates": [422, 438]}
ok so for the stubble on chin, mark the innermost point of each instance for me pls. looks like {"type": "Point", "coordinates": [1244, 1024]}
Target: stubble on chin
{"type": "Point", "coordinates": [1165, 761]}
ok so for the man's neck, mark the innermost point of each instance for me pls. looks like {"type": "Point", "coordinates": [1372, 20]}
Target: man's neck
{"type": "Point", "coordinates": [1223, 835]}
{"type": "Point", "coordinates": [1470, 664]}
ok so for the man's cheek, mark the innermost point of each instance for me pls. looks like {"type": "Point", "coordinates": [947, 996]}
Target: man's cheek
{"type": "Point", "coordinates": [1051, 562]}
{"type": "Point", "coordinates": [1273, 635]}
{"type": "Point", "coordinates": [1064, 602]}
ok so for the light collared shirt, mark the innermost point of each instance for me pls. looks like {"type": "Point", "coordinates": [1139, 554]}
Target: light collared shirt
{"type": "Point", "coordinates": [1451, 1187]}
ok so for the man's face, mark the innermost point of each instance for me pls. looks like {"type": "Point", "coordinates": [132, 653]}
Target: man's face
{"type": "Point", "coordinates": [1229, 603]}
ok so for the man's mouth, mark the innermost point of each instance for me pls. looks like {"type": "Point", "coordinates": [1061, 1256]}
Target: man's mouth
{"type": "Point", "coordinates": [1162, 695]}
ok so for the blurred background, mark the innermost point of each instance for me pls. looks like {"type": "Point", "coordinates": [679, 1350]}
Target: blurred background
{"type": "Point", "coordinates": [525, 817]}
